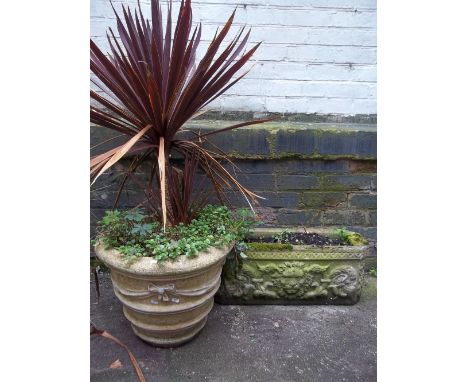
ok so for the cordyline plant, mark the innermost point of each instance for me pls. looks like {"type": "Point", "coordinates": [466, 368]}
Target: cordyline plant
{"type": "Point", "coordinates": [150, 86]}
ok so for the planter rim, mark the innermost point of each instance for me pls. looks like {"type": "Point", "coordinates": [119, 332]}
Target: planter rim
{"type": "Point", "coordinates": [313, 248]}
{"type": "Point", "coordinates": [327, 231]}
{"type": "Point", "coordinates": [357, 253]}
{"type": "Point", "coordinates": [147, 266]}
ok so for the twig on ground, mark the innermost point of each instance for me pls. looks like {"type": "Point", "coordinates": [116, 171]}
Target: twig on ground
{"type": "Point", "coordinates": [134, 361]}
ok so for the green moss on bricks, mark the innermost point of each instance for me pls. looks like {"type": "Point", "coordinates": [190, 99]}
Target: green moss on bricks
{"type": "Point", "coordinates": [316, 155]}
{"type": "Point", "coordinates": [292, 140]}
{"type": "Point", "coordinates": [271, 140]}
{"type": "Point", "coordinates": [350, 182]}
{"type": "Point", "coordinates": [294, 155]}
{"type": "Point", "coordinates": [322, 132]}
{"type": "Point", "coordinates": [321, 200]}
{"type": "Point", "coordinates": [327, 184]}
{"type": "Point", "coordinates": [269, 247]}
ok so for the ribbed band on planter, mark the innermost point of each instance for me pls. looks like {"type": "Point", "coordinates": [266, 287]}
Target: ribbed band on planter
{"type": "Point", "coordinates": [167, 303]}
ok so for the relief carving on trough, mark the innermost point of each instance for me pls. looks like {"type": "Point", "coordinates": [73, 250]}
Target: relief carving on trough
{"type": "Point", "coordinates": [293, 280]}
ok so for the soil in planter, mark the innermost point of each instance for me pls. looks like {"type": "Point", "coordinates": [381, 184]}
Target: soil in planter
{"type": "Point", "coordinates": [300, 238]}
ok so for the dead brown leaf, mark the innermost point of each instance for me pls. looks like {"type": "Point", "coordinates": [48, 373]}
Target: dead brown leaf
{"type": "Point", "coordinates": [116, 364]}
{"type": "Point", "coordinates": [103, 333]}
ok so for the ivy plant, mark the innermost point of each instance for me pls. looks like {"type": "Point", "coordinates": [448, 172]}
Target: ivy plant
{"type": "Point", "coordinates": [135, 234]}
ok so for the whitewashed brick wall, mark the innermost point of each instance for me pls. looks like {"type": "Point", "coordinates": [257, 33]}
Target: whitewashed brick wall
{"type": "Point", "coordinates": [317, 56]}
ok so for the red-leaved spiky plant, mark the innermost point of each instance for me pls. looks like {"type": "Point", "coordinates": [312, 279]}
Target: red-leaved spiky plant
{"type": "Point", "coordinates": [150, 87]}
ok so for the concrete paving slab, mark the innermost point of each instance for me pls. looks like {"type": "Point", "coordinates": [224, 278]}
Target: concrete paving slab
{"type": "Point", "coordinates": [247, 343]}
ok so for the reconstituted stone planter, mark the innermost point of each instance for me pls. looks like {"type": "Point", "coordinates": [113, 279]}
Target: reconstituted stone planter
{"type": "Point", "coordinates": [167, 303]}
{"type": "Point", "coordinates": [304, 275]}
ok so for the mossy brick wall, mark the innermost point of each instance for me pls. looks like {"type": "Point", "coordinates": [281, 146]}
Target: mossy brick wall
{"type": "Point", "coordinates": [310, 174]}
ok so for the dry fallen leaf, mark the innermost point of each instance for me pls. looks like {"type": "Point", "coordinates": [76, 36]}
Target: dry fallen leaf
{"type": "Point", "coordinates": [103, 333]}
{"type": "Point", "coordinates": [116, 364]}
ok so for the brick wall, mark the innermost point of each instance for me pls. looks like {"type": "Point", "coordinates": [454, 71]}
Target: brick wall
{"type": "Point", "coordinates": [311, 174]}
{"type": "Point", "coordinates": [317, 56]}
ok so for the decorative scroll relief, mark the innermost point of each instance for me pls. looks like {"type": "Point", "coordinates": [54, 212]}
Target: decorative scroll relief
{"type": "Point", "coordinates": [344, 280]}
{"type": "Point", "coordinates": [168, 293]}
{"type": "Point", "coordinates": [307, 255]}
{"type": "Point", "coordinates": [163, 293]}
{"type": "Point", "coordinates": [293, 280]}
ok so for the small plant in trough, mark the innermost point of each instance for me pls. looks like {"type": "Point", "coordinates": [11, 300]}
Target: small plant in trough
{"type": "Point", "coordinates": [146, 88]}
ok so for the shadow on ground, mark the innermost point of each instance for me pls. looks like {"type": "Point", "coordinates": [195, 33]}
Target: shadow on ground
{"type": "Point", "coordinates": [247, 343]}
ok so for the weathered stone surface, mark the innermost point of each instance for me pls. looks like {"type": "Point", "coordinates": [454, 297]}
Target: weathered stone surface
{"type": "Point", "coordinates": [310, 166]}
{"type": "Point", "coordinates": [167, 303]}
{"type": "Point", "coordinates": [372, 220]}
{"type": "Point", "coordinates": [242, 142]}
{"type": "Point", "coordinates": [362, 166]}
{"type": "Point", "coordinates": [368, 232]}
{"type": "Point", "coordinates": [348, 182]}
{"type": "Point", "coordinates": [127, 199]}
{"type": "Point", "coordinates": [326, 142]}
{"type": "Point", "coordinates": [299, 217]}
{"type": "Point", "coordinates": [344, 217]}
{"type": "Point", "coordinates": [335, 142]}
{"type": "Point", "coordinates": [362, 201]}
{"type": "Point", "coordinates": [324, 200]}
{"type": "Point", "coordinates": [279, 140]}
{"type": "Point", "coordinates": [303, 169]}
{"type": "Point", "coordinates": [279, 199]}
{"type": "Point", "coordinates": [366, 144]}
{"type": "Point", "coordinates": [289, 281]}
{"type": "Point", "coordinates": [294, 142]}
{"type": "Point", "coordinates": [257, 181]}
{"type": "Point", "coordinates": [249, 166]}
{"type": "Point", "coordinates": [297, 182]}
{"type": "Point", "coordinates": [266, 216]}
{"type": "Point", "coordinates": [232, 115]}
{"type": "Point", "coordinates": [293, 166]}
{"type": "Point", "coordinates": [303, 275]}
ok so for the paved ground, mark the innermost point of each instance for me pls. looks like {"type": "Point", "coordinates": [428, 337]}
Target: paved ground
{"type": "Point", "coordinates": [247, 343]}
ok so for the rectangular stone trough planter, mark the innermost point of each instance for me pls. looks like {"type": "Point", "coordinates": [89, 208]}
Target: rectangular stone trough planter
{"type": "Point", "coordinates": [331, 275]}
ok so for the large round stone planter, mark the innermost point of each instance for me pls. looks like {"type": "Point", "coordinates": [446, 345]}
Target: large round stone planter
{"type": "Point", "coordinates": [167, 303]}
